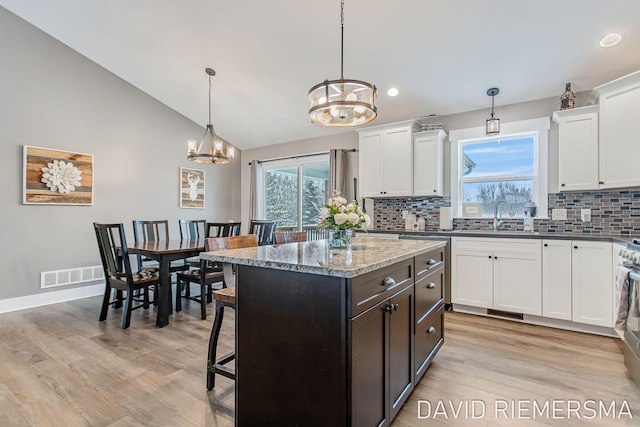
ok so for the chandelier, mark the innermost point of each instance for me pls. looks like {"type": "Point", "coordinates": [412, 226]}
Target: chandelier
{"type": "Point", "coordinates": [211, 148]}
{"type": "Point", "coordinates": [342, 102]}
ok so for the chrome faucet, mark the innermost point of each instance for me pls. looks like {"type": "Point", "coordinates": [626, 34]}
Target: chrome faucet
{"type": "Point", "coordinates": [497, 222]}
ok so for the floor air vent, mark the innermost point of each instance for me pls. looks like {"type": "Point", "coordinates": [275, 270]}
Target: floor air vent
{"type": "Point", "coordinates": [506, 314]}
{"type": "Point", "coordinates": [70, 276]}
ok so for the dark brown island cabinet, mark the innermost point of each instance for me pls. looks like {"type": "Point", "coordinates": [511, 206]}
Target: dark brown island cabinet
{"type": "Point", "coordinates": [332, 350]}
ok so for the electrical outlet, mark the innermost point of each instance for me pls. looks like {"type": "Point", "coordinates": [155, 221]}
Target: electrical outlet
{"type": "Point", "coordinates": [559, 214]}
{"type": "Point", "coordinates": [404, 214]}
{"type": "Point", "coordinates": [585, 215]}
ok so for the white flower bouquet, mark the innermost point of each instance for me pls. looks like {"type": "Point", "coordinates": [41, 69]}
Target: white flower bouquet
{"type": "Point", "coordinates": [337, 214]}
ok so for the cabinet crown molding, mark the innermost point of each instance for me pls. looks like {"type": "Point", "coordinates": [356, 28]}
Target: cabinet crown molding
{"type": "Point", "coordinates": [407, 123]}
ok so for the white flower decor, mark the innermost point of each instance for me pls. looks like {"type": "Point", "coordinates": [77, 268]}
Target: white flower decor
{"type": "Point", "coordinates": [338, 214]}
{"type": "Point", "coordinates": [61, 177]}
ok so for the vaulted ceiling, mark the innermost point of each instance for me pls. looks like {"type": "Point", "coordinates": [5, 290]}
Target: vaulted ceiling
{"type": "Point", "coordinates": [441, 55]}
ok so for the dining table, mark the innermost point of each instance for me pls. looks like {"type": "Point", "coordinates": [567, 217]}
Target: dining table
{"type": "Point", "coordinates": [165, 251]}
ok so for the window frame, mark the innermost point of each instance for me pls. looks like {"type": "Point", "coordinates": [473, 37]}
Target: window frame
{"type": "Point", "coordinates": [536, 128]}
{"type": "Point", "coordinates": [298, 163]}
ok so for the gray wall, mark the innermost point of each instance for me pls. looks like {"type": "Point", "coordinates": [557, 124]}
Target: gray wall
{"type": "Point", "coordinates": [53, 97]}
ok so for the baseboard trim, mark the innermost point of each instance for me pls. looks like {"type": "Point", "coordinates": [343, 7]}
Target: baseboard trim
{"type": "Point", "coordinates": [47, 298]}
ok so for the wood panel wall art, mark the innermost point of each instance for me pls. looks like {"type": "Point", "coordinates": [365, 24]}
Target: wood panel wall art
{"type": "Point", "coordinates": [192, 188]}
{"type": "Point", "coordinates": [56, 177]}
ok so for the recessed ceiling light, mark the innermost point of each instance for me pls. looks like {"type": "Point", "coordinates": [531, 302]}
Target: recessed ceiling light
{"type": "Point", "coordinates": [393, 92]}
{"type": "Point", "coordinates": [610, 40]}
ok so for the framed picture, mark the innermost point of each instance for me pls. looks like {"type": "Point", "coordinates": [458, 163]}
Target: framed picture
{"type": "Point", "coordinates": [56, 177]}
{"type": "Point", "coordinates": [191, 188]}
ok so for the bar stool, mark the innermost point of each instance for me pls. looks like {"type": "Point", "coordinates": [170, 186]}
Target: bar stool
{"type": "Point", "coordinates": [225, 297]}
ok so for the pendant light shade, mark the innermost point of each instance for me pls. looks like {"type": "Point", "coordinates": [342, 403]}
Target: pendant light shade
{"type": "Point", "coordinates": [493, 123]}
{"type": "Point", "coordinates": [342, 102]}
{"type": "Point", "coordinates": [211, 148]}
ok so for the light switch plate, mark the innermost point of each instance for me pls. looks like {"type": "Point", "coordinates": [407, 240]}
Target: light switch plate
{"type": "Point", "coordinates": [585, 215]}
{"type": "Point", "coordinates": [559, 214]}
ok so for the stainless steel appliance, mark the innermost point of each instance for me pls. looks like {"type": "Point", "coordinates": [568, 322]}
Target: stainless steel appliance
{"type": "Point", "coordinates": [631, 303]}
{"type": "Point", "coordinates": [447, 261]}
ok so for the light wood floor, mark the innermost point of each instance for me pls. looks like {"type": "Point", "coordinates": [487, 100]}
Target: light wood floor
{"type": "Point", "coordinates": [59, 366]}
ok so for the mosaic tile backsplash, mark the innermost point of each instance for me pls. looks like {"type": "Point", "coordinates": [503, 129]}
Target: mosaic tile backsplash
{"type": "Point", "coordinates": [613, 213]}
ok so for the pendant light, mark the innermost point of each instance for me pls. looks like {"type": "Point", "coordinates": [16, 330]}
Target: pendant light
{"type": "Point", "coordinates": [493, 123]}
{"type": "Point", "coordinates": [342, 102]}
{"type": "Point", "coordinates": [211, 148]}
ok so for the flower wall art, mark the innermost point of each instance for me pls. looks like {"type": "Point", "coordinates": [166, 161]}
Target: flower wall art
{"type": "Point", "coordinates": [191, 188]}
{"type": "Point", "coordinates": [55, 177]}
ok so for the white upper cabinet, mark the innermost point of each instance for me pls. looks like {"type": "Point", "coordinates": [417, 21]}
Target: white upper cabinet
{"type": "Point", "coordinates": [577, 148]}
{"type": "Point", "coordinates": [619, 103]}
{"type": "Point", "coordinates": [386, 160]}
{"type": "Point", "coordinates": [428, 163]}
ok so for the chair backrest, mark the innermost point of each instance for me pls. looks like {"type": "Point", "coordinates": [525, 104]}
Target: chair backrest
{"type": "Point", "coordinates": [280, 237]}
{"type": "Point", "coordinates": [150, 231]}
{"type": "Point", "coordinates": [317, 233]}
{"type": "Point", "coordinates": [232, 242]}
{"type": "Point", "coordinates": [222, 229]}
{"type": "Point", "coordinates": [192, 229]}
{"type": "Point", "coordinates": [264, 230]}
{"type": "Point", "coordinates": [114, 254]}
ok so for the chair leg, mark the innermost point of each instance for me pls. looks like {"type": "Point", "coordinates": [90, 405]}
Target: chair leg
{"type": "Point", "coordinates": [203, 302]}
{"type": "Point", "coordinates": [145, 298]}
{"type": "Point", "coordinates": [119, 298]}
{"type": "Point", "coordinates": [213, 345]}
{"type": "Point", "coordinates": [179, 284]}
{"type": "Point", "coordinates": [126, 315]}
{"type": "Point", "coordinates": [105, 302]}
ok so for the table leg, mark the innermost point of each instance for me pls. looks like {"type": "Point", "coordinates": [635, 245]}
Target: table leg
{"type": "Point", "coordinates": [165, 294]}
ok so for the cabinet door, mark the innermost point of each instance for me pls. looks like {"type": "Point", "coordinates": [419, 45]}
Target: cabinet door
{"type": "Point", "coordinates": [578, 152]}
{"type": "Point", "coordinates": [369, 355]}
{"type": "Point", "coordinates": [370, 165]}
{"type": "Point", "coordinates": [591, 273]}
{"type": "Point", "coordinates": [428, 164]}
{"type": "Point", "coordinates": [619, 130]}
{"type": "Point", "coordinates": [556, 279]}
{"type": "Point", "coordinates": [397, 169]}
{"type": "Point", "coordinates": [517, 282]}
{"type": "Point", "coordinates": [472, 278]}
{"type": "Point", "coordinates": [401, 325]}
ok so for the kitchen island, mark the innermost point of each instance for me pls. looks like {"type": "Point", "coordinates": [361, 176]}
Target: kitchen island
{"type": "Point", "coordinates": [335, 337]}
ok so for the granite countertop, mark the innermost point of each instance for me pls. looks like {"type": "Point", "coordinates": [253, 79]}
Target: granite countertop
{"type": "Point", "coordinates": [511, 234]}
{"type": "Point", "coordinates": [315, 257]}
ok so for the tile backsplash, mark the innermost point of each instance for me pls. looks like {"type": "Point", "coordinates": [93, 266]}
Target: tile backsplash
{"type": "Point", "coordinates": [614, 212]}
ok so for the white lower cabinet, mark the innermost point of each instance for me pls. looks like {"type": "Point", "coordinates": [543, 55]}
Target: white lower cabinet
{"type": "Point", "coordinates": [569, 280]}
{"type": "Point", "coordinates": [503, 274]}
{"type": "Point", "coordinates": [591, 272]}
{"type": "Point", "coordinates": [556, 279]}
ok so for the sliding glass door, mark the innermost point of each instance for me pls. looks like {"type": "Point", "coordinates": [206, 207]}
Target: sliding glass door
{"type": "Point", "coordinates": [295, 190]}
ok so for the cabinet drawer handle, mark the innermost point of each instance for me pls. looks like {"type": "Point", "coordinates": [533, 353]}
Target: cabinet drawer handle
{"type": "Point", "coordinates": [432, 262]}
{"type": "Point", "coordinates": [388, 281]}
{"type": "Point", "coordinates": [495, 257]}
{"type": "Point", "coordinates": [391, 307]}
{"type": "Point", "coordinates": [562, 185]}
{"type": "Point", "coordinates": [431, 285]}
{"type": "Point", "coordinates": [546, 245]}
{"type": "Point", "coordinates": [489, 256]}
{"type": "Point", "coordinates": [431, 330]}
{"type": "Point", "coordinates": [575, 247]}
{"type": "Point", "coordinates": [600, 182]}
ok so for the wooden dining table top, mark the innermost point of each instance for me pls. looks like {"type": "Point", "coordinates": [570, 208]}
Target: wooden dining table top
{"type": "Point", "coordinates": [166, 246]}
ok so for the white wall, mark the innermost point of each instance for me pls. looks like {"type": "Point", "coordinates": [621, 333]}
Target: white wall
{"type": "Point", "coordinates": [345, 140]}
{"type": "Point", "coordinates": [54, 97]}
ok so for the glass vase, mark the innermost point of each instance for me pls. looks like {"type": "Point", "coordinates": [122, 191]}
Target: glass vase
{"type": "Point", "coordinates": [340, 239]}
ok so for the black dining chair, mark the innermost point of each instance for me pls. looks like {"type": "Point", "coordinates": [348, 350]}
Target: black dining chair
{"type": "Point", "coordinates": [153, 231]}
{"type": "Point", "coordinates": [280, 237]}
{"type": "Point", "coordinates": [192, 229]}
{"type": "Point", "coordinates": [264, 230]}
{"type": "Point", "coordinates": [205, 275]}
{"type": "Point", "coordinates": [222, 229]}
{"type": "Point", "coordinates": [118, 275]}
